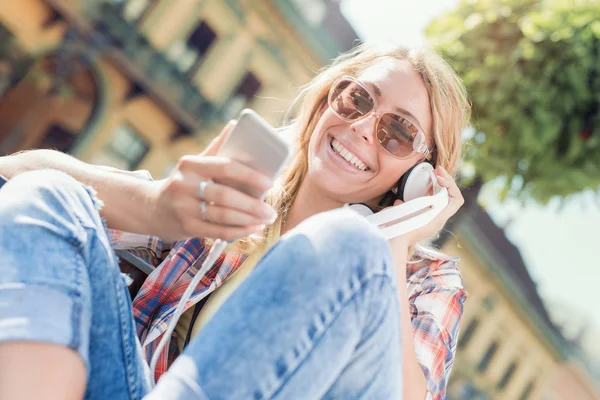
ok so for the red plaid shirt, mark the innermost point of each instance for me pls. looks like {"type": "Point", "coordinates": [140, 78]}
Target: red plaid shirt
{"type": "Point", "coordinates": [436, 296]}
{"type": "Point", "coordinates": [435, 292]}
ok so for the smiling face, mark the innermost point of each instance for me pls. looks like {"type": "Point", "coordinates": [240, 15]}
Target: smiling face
{"type": "Point", "coordinates": [346, 161]}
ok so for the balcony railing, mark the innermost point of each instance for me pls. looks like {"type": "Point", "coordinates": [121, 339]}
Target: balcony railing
{"type": "Point", "coordinates": [109, 34]}
{"type": "Point", "coordinates": [158, 72]}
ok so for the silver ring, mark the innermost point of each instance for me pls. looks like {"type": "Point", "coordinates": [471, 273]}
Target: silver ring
{"type": "Point", "coordinates": [203, 210]}
{"type": "Point", "coordinates": [202, 188]}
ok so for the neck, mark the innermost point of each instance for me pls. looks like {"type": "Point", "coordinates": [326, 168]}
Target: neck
{"type": "Point", "coordinates": [308, 202]}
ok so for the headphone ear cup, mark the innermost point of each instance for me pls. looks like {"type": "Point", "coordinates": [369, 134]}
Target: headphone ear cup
{"type": "Point", "coordinates": [414, 183]}
{"type": "Point", "coordinates": [418, 182]}
{"type": "Point", "coordinates": [403, 181]}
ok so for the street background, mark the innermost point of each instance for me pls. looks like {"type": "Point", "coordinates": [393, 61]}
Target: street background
{"type": "Point", "coordinates": [136, 84]}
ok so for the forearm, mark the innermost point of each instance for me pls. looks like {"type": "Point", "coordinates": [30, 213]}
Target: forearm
{"type": "Point", "coordinates": [128, 201]}
{"type": "Point", "coordinates": [415, 385]}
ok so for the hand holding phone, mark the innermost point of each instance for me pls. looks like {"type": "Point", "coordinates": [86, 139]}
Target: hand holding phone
{"type": "Point", "coordinates": [241, 165]}
{"type": "Point", "coordinates": [256, 144]}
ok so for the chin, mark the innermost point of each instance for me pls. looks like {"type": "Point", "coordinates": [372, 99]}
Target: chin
{"type": "Point", "coordinates": [332, 186]}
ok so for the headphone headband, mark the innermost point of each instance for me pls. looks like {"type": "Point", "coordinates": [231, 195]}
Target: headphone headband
{"type": "Point", "coordinates": [419, 207]}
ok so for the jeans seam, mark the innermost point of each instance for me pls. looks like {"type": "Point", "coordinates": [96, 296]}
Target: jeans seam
{"type": "Point", "coordinates": [77, 309]}
{"type": "Point", "coordinates": [125, 324]}
{"type": "Point", "coordinates": [313, 343]}
{"type": "Point", "coordinates": [94, 231]}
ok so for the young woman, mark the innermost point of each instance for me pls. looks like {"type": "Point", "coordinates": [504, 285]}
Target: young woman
{"type": "Point", "coordinates": [329, 310]}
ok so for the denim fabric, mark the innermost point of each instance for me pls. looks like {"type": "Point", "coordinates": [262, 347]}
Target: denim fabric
{"type": "Point", "coordinates": [60, 282]}
{"type": "Point", "coordinates": [318, 318]}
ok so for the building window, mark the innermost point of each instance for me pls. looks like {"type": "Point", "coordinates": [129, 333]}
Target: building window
{"type": "Point", "coordinates": [125, 149]}
{"type": "Point", "coordinates": [201, 38]}
{"type": "Point", "coordinates": [188, 54]}
{"type": "Point", "coordinates": [487, 357]}
{"type": "Point", "coordinates": [58, 138]}
{"type": "Point", "coordinates": [243, 95]}
{"type": "Point", "coordinates": [465, 336]}
{"type": "Point", "coordinates": [527, 391]}
{"type": "Point", "coordinates": [508, 374]}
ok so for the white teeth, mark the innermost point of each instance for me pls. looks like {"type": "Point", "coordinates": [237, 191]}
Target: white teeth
{"type": "Point", "coordinates": [348, 156]}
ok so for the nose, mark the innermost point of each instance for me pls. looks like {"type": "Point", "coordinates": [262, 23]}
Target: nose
{"type": "Point", "coordinates": [365, 128]}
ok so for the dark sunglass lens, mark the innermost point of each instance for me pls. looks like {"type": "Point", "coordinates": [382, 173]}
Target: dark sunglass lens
{"type": "Point", "coordinates": [350, 100]}
{"type": "Point", "coordinates": [396, 134]}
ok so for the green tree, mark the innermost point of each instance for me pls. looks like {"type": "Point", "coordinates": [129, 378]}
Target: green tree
{"type": "Point", "coordinates": [532, 70]}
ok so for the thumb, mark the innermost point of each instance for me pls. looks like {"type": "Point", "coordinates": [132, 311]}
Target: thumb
{"type": "Point", "coordinates": [214, 146]}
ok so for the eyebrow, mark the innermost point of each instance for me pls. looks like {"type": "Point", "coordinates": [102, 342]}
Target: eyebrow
{"type": "Point", "coordinates": [402, 111]}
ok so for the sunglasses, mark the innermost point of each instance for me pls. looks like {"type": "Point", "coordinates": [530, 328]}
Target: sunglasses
{"type": "Point", "coordinates": [351, 101]}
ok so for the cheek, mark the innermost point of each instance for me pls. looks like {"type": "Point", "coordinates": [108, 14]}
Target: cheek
{"type": "Point", "coordinates": [320, 132]}
{"type": "Point", "coordinates": [392, 170]}
{"type": "Point", "coordinates": [313, 142]}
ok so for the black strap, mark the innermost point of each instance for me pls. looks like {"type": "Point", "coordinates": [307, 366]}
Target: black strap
{"type": "Point", "coordinates": [197, 309]}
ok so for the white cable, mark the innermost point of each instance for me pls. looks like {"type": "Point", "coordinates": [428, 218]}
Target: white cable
{"type": "Point", "coordinates": [215, 251]}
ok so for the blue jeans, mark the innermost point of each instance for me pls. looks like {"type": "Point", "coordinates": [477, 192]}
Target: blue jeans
{"type": "Point", "coordinates": [318, 318]}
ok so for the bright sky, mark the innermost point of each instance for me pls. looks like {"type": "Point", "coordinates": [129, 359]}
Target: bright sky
{"type": "Point", "coordinates": [557, 245]}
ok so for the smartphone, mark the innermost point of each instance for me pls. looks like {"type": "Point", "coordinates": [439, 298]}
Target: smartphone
{"type": "Point", "coordinates": [255, 143]}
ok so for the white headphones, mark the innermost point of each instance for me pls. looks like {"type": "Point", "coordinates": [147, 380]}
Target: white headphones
{"type": "Point", "coordinates": [419, 208]}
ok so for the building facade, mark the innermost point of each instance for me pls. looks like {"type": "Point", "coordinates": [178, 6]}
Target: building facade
{"type": "Point", "coordinates": [571, 381]}
{"type": "Point", "coordinates": [508, 348]}
{"type": "Point", "coordinates": [138, 83]}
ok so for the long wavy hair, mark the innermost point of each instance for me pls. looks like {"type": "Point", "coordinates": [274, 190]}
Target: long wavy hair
{"type": "Point", "coordinates": [448, 101]}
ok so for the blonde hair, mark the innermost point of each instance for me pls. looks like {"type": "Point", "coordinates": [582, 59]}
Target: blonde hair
{"type": "Point", "coordinates": [450, 112]}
